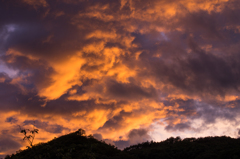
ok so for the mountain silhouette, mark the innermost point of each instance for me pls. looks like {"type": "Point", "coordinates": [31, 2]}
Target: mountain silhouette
{"type": "Point", "coordinates": [76, 145]}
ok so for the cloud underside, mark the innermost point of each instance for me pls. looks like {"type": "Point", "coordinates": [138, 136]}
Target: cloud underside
{"type": "Point", "coordinates": [115, 68]}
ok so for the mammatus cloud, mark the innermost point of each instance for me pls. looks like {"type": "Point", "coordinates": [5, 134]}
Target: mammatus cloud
{"type": "Point", "coordinates": [121, 70]}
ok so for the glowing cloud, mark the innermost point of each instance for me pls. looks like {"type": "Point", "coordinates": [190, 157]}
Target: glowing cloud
{"type": "Point", "coordinates": [122, 70]}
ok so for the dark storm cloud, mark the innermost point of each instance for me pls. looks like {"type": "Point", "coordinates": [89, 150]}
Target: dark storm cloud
{"type": "Point", "coordinates": [17, 12]}
{"type": "Point", "coordinates": [129, 90]}
{"type": "Point", "coordinates": [11, 120]}
{"type": "Point", "coordinates": [139, 133]}
{"type": "Point", "coordinates": [7, 143]}
{"type": "Point", "coordinates": [135, 136]}
{"type": "Point", "coordinates": [9, 96]}
{"type": "Point", "coordinates": [4, 77]}
{"type": "Point", "coordinates": [180, 127]}
{"type": "Point", "coordinates": [116, 122]}
{"type": "Point", "coordinates": [147, 41]}
{"type": "Point", "coordinates": [26, 35]}
{"type": "Point", "coordinates": [217, 75]}
{"type": "Point", "coordinates": [199, 72]}
{"type": "Point", "coordinates": [187, 106]}
{"type": "Point", "coordinates": [186, 109]}
{"type": "Point", "coordinates": [13, 98]}
{"type": "Point", "coordinates": [211, 112]}
{"type": "Point", "coordinates": [208, 112]}
{"type": "Point", "coordinates": [204, 23]}
{"type": "Point", "coordinates": [39, 69]}
{"type": "Point", "coordinates": [37, 31]}
{"type": "Point", "coordinates": [52, 128]}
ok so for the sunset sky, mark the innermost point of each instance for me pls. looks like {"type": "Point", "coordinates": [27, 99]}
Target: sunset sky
{"type": "Point", "coordinates": [126, 71]}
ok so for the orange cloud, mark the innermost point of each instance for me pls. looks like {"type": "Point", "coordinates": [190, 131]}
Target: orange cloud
{"type": "Point", "coordinates": [67, 75]}
{"type": "Point", "coordinates": [113, 66]}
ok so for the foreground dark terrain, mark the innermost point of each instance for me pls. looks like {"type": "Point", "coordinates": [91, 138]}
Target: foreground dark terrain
{"type": "Point", "coordinates": [78, 146]}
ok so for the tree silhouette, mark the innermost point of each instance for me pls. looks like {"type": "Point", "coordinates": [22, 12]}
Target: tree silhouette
{"type": "Point", "coordinates": [30, 137]}
{"type": "Point", "coordinates": [81, 132]}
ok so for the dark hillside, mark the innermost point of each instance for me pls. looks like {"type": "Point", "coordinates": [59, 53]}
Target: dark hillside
{"type": "Point", "coordinates": [189, 148]}
{"type": "Point", "coordinates": [78, 146]}
{"type": "Point", "coordinates": [71, 146]}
